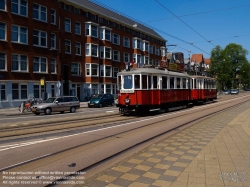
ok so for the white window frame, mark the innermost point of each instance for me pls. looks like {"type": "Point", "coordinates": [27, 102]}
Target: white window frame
{"type": "Point", "coordinates": [90, 31]}
{"type": "Point", "coordinates": [19, 90]}
{"type": "Point", "coordinates": [19, 62]}
{"type": "Point", "coordinates": [105, 52]}
{"type": "Point", "coordinates": [53, 16]}
{"type": "Point", "coordinates": [138, 58]}
{"type": "Point", "coordinates": [39, 90]}
{"type": "Point", "coordinates": [115, 71]}
{"type": "Point", "coordinates": [76, 70]}
{"type": "Point", "coordinates": [145, 46]}
{"type": "Point", "coordinates": [67, 25]}
{"type": "Point", "coordinates": [40, 12]}
{"type": "Point", "coordinates": [89, 67]}
{"type": "Point", "coordinates": [19, 33]}
{"type": "Point", "coordinates": [40, 38]}
{"type": "Point", "coordinates": [126, 42]}
{"type": "Point", "coordinates": [20, 7]}
{"type": "Point", "coordinates": [107, 67]}
{"type": "Point", "coordinates": [116, 39]}
{"type": "Point", "coordinates": [116, 53]}
{"type": "Point", "coordinates": [105, 33]}
{"type": "Point", "coordinates": [89, 50]}
{"type": "Point", "coordinates": [157, 51]}
{"type": "Point", "coordinates": [53, 41]}
{"type": "Point", "coordinates": [40, 63]}
{"type": "Point", "coordinates": [78, 48]}
{"type": "Point", "coordinates": [4, 3]}
{"type": "Point", "coordinates": [151, 61]}
{"type": "Point", "coordinates": [3, 30]}
{"type": "Point", "coordinates": [3, 96]}
{"type": "Point", "coordinates": [137, 43]}
{"type": "Point", "coordinates": [157, 62]}
{"type": "Point", "coordinates": [146, 60]}
{"type": "Point", "coordinates": [4, 61]}
{"type": "Point", "coordinates": [151, 49]}
{"type": "Point", "coordinates": [126, 57]}
{"type": "Point", "coordinates": [77, 28]}
{"type": "Point", "coordinates": [53, 65]}
{"type": "Point", "coordinates": [67, 45]}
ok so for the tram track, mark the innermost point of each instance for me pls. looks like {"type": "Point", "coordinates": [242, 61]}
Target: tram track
{"type": "Point", "coordinates": [133, 130]}
{"type": "Point", "coordinates": [62, 125]}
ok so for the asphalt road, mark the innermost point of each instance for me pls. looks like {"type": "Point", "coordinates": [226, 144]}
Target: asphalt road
{"type": "Point", "coordinates": [75, 150]}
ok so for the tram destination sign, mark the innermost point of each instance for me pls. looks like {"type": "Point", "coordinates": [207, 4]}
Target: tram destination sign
{"type": "Point", "coordinates": [172, 66]}
{"type": "Point", "coordinates": [127, 91]}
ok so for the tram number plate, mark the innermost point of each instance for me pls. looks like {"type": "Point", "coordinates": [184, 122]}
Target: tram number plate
{"type": "Point", "coordinates": [126, 91]}
{"type": "Point", "coordinates": [33, 109]}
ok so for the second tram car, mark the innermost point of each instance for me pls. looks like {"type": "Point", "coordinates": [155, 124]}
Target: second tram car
{"type": "Point", "coordinates": [147, 89]}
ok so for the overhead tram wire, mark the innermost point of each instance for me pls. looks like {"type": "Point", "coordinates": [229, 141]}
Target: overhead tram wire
{"type": "Point", "coordinates": [201, 13]}
{"type": "Point", "coordinates": [137, 21]}
{"type": "Point", "coordinates": [209, 41]}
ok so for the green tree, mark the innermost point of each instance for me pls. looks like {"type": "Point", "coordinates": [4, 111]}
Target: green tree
{"type": "Point", "coordinates": [228, 64]}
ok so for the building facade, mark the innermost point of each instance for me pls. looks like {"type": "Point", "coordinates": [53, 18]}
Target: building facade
{"type": "Point", "coordinates": [76, 46]}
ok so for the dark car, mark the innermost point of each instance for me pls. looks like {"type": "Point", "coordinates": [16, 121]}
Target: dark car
{"type": "Point", "coordinates": [100, 100]}
{"type": "Point", "coordinates": [226, 92]}
{"type": "Point", "coordinates": [234, 91]}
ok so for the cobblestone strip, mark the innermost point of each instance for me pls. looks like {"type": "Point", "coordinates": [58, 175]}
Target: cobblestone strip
{"type": "Point", "coordinates": [213, 153]}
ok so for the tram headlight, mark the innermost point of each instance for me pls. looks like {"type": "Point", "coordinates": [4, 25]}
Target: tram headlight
{"type": "Point", "coordinates": [127, 100]}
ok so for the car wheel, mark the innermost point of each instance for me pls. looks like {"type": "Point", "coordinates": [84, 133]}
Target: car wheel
{"type": "Point", "coordinates": [72, 109]}
{"type": "Point", "coordinates": [47, 111]}
{"type": "Point", "coordinates": [37, 113]}
{"type": "Point", "coordinates": [62, 112]}
{"type": "Point", "coordinates": [100, 105]}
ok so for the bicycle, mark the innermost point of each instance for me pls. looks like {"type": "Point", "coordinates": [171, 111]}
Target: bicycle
{"type": "Point", "coordinates": [27, 108]}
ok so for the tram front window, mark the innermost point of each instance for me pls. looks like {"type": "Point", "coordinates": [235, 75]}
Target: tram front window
{"type": "Point", "coordinates": [128, 82]}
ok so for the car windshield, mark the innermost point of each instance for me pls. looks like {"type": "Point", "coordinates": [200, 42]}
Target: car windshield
{"type": "Point", "coordinates": [97, 96]}
{"type": "Point", "coordinates": [50, 100]}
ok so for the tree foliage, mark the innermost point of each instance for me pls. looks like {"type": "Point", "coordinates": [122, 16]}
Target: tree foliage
{"type": "Point", "coordinates": [230, 66]}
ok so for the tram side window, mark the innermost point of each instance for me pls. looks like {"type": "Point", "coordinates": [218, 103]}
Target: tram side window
{"type": "Point", "coordinates": [154, 81]}
{"type": "Point", "coordinates": [195, 85]}
{"type": "Point", "coordinates": [149, 82]}
{"type": "Point", "coordinates": [127, 82]}
{"type": "Point", "coordinates": [144, 82]}
{"type": "Point", "coordinates": [137, 82]}
{"type": "Point", "coordinates": [119, 83]}
{"type": "Point", "coordinates": [178, 83]}
{"type": "Point", "coordinates": [205, 83]}
{"type": "Point", "coordinates": [171, 82]}
{"type": "Point", "coordinates": [164, 82]}
{"type": "Point", "coordinates": [183, 83]}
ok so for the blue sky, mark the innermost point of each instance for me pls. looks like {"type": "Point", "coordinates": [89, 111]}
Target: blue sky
{"type": "Point", "coordinates": [202, 24]}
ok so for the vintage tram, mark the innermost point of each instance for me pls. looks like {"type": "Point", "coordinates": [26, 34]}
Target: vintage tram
{"type": "Point", "coordinates": [146, 89]}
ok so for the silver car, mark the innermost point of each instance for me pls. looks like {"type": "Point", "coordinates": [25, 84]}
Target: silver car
{"type": "Point", "coordinates": [57, 104]}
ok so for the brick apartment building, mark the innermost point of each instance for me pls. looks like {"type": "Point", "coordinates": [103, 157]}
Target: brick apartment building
{"type": "Point", "coordinates": [77, 46]}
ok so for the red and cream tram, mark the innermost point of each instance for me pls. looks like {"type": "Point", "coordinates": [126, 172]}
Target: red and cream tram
{"type": "Point", "coordinates": [147, 89]}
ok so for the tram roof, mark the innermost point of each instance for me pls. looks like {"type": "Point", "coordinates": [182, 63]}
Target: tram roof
{"type": "Point", "coordinates": [202, 77]}
{"type": "Point", "coordinates": [153, 71]}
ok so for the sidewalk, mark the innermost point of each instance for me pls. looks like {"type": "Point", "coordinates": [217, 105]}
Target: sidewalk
{"type": "Point", "coordinates": [212, 153]}
{"type": "Point", "coordinates": [14, 111]}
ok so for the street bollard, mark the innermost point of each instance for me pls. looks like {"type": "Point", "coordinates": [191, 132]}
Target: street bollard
{"type": "Point", "coordinates": [21, 108]}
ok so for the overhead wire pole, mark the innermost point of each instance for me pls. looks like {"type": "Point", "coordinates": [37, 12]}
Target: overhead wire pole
{"type": "Point", "coordinates": [209, 41]}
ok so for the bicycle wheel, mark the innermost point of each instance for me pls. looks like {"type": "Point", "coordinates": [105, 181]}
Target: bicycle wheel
{"type": "Point", "coordinates": [28, 109]}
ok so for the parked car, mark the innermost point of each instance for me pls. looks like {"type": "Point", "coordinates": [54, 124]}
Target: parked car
{"type": "Point", "coordinates": [57, 104]}
{"type": "Point", "coordinates": [234, 91]}
{"type": "Point", "coordinates": [226, 92]}
{"type": "Point", "coordinates": [247, 89]}
{"type": "Point", "coordinates": [100, 100]}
